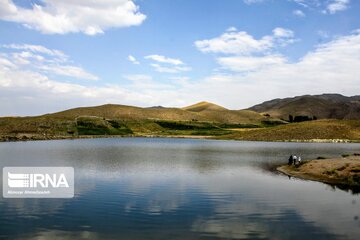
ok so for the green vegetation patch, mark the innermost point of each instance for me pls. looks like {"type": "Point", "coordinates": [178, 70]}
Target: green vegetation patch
{"type": "Point", "coordinates": [239, 125]}
{"type": "Point", "coordinates": [272, 123]}
{"type": "Point", "coordinates": [180, 125]}
{"type": "Point", "coordinates": [100, 126]}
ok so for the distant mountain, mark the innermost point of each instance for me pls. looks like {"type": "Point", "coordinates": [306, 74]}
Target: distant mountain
{"type": "Point", "coordinates": [156, 107]}
{"type": "Point", "coordinates": [201, 106]}
{"type": "Point", "coordinates": [325, 106]}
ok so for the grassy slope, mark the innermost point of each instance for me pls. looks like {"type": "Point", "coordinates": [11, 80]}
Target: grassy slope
{"type": "Point", "coordinates": [201, 106]}
{"type": "Point", "coordinates": [123, 120]}
{"type": "Point", "coordinates": [210, 114]}
{"type": "Point", "coordinates": [321, 129]}
{"type": "Point", "coordinates": [325, 106]}
{"type": "Point", "coordinates": [201, 119]}
{"type": "Point", "coordinates": [305, 107]}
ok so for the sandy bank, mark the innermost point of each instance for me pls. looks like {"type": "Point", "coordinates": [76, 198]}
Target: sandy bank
{"type": "Point", "coordinates": [344, 171]}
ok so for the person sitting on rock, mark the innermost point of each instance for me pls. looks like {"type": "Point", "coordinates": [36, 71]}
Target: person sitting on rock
{"type": "Point", "coordinates": [295, 159]}
{"type": "Point", "coordinates": [299, 160]}
{"type": "Point", "coordinates": [291, 160]}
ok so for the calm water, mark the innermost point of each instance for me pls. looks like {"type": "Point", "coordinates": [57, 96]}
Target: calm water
{"type": "Point", "coordinates": [137, 188]}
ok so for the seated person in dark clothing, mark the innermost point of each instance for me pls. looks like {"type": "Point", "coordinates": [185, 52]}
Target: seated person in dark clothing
{"type": "Point", "coordinates": [291, 160]}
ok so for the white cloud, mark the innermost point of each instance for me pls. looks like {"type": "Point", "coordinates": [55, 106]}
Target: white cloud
{"type": "Point", "coordinates": [145, 82]}
{"type": "Point", "coordinates": [181, 80]}
{"type": "Point", "coordinates": [138, 77]}
{"type": "Point", "coordinates": [283, 33]}
{"type": "Point", "coordinates": [36, 49]}
{"type": "Point", "coordinates": [133, 59]}
{"type": "Point", "coordinates": [250, 63]}
{"type": "Point", "coordinates": [231, 29]}
{"type": "Point", "coordinates": [252, 1]}
{"type": "Point", "coordinates": [5, 63]}
{"type": "Point", "coordinates": [234, 43]}
{"type": "Point", "coordinates": [308, 3]}
{"type": "Point", "coordinates": [26, 57]}
{"type": "Point", "coordinates": [336, 6]}
{"type": "Point", "coordinates": [163, 59]}
{"type": "Point", "coordinates": [242, 43]}
{"type": "Point", "coordinates": [169, 69]}
{"type": "Point", "coordinates": [323, 34]}
{"type": "Point", "coordinates": [326, 7]}
{"type": "Point", "coordinates": [29, 92]}
{"type": "Point", "coordinates": [330, 67]}
{"type": "Point", "coordinates": [299, 13]}
{"type": "Point", "coordinates": [167, 65]}
{"type": "Point", "coordinates": [37, 57]}
{"type": "Point", "coordinates": [65, 16]}
{"type": "Point", "coordinates": [248, 53]}
{"type": "Point", "coordinates": [70, 71]}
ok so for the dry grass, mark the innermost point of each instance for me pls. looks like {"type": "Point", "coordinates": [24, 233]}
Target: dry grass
{"type": "Point", "coordinates": [201, 106]}
{"type": "Point", "coordinates": [334, 106]}
{"type": "Point", "coordinates": [140, 119]}
{"type": "Point", "coordinates": [321, 129]}
{"type": "Point", "coordinates": [212, 113]}
{"type": "Point", "coordinates": [144, 121]}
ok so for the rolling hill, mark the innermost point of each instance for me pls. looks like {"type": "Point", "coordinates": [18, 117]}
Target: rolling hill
{"type": "Point", "coordinates": [200, 119]}
{"type": "Point", "coordinates": [327, 130]}
{"type": "Point", "coordinates": [203, 111]}
{"type": "Point", "coordinates": [325, 106]}
{"type": "Point", "coordinates": [202, 106]}
{"type": "Point", "coordinates": [261, 122]}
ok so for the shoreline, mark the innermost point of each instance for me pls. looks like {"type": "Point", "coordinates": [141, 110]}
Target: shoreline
{"type": "Point", "coordinates": [343, 172]}
{"type": "Point", "coordinates": [25, 138]}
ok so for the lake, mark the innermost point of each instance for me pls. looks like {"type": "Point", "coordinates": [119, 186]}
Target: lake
{"type": "Point", "coordinates": [167, 188]}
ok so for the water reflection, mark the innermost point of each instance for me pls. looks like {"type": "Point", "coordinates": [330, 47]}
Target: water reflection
{"type": "Point", "coordinates": [176, 189]}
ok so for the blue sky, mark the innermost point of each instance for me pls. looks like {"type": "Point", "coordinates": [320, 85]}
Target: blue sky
{"type": "Point", "coordinates": [58, 54]}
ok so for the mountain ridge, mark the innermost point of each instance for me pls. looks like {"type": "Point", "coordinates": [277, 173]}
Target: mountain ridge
{"type": "Point", "coordinates": [324, 106]}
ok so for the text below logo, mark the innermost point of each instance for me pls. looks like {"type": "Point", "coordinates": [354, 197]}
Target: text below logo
{"type": "Point", "coordinates": [38, 182]}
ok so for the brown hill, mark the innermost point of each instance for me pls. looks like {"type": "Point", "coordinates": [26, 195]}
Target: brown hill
{"type": "Point", "coordinates": [211, 120]}
{"type": "Point", "coordinates": [199, 112]}
{"type": "Point", "coordinates": [201, 106]}
{"type": "Point", "coordinates": [113, 119]}
{"type": "Point", "coordinates": [325, 106]}
{"type": "Point", "coordinates": [304, 131]}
